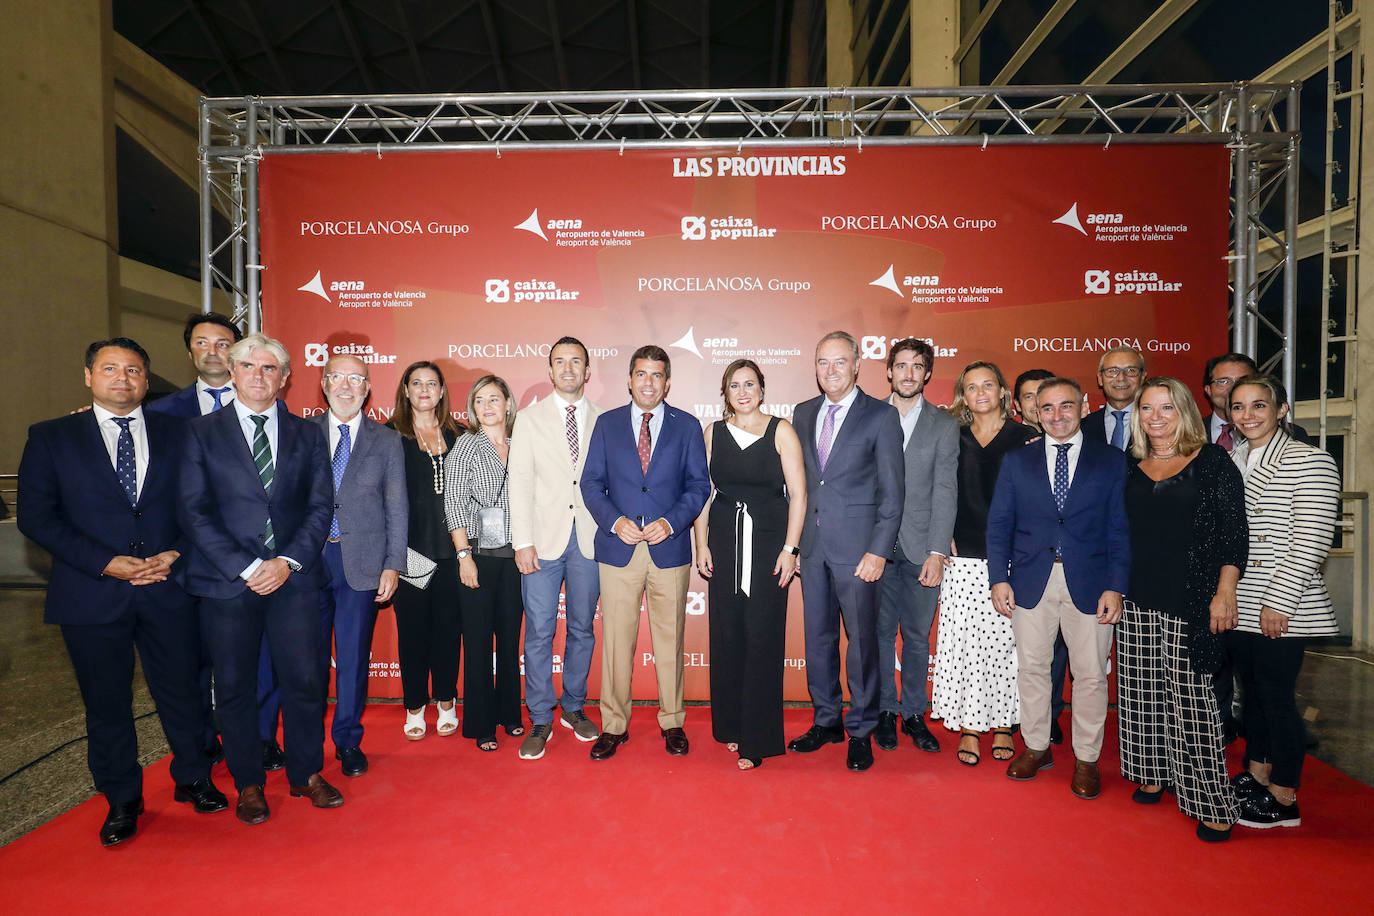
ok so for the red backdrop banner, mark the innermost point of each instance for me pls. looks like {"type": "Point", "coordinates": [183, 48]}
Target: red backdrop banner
{"type": "Point", "coordinates": [1039, 257]}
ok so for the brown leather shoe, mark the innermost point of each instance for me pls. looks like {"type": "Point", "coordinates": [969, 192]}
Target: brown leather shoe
{"type": "Point", "coordinates": [675, 741]}
{"type": "Point", "coordinates": [321, 793]}
{"type": "Point", "coordinates": [1087, 782]}
{"type": "Point", "coordinates": [252, 807]}
{"type": "Point", "coordinates": [605, 746]}
{"type": "Point", "coordinates": [1028, 763]}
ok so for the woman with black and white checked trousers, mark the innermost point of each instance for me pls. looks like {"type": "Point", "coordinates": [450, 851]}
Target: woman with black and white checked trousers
{"type": "Point", "coordinates": [1292, 501]}
{"type": "Point", "coordinates": [477, 496]}
{"type": "Point", "coordinates": [1185, 502]}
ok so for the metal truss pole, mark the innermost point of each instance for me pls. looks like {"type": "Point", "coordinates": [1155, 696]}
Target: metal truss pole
{"type": "Point", "coordinates": [1240, 235]}
{"type": "Point", "coordinates": [1290, 254]}
{"type": "Point", "coordinates": [207, 209]}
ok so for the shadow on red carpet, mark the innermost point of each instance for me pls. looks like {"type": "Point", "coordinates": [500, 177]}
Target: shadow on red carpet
{"type": "Point", "coordinates": [438, 825]}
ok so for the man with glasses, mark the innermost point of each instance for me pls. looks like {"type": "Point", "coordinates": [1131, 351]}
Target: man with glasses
{"type": "Point", "coordinates": [1217, 378]}
{"type": "Point", "coordinates": [366, 548]}
{"type": "Point", "coordinates": [1120, 373]}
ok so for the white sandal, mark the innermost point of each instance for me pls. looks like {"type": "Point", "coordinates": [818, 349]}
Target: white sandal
{"type": "Point", "coordinates": [414, 728]}
{"type": "Point", "coordinates": [448, 721]}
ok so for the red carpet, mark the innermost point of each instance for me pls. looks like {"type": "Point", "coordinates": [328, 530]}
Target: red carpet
{"type": "Point", "coordinates": [438, 825]}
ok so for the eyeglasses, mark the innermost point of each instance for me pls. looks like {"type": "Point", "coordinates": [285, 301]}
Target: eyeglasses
{"type": "Point", "coordinates": [352, 378]}
{"type": "Point", "coordinates": [1223, 382]}
{"type": "Point", "coordinates": [1118, 371]}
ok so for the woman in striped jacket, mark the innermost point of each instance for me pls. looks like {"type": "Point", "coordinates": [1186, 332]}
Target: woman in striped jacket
{"type": "Point", "coordinates": [1292, 502]}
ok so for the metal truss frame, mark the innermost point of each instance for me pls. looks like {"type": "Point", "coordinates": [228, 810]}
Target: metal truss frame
{"type": "Point", "coordinates": [1257, 121]}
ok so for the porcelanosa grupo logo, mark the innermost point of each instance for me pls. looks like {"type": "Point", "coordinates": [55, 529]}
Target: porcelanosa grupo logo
{"type": "Point", "coordinates": [1098, 282]}
{"type": "Point", "coordinates": [723, 228]}
{"type": "Point", "coordinates": [533, 290]}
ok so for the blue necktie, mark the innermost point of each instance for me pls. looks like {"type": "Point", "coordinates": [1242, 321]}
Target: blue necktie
{"type": "Point", "coordinates": [1119, 431]}
{"type": "Point", "coordinates": [1061, 474]}
{"type": "Point", "coordinates": [125, 466]}
{"type": "Point", "coordinates": [215, 393]}
{"type": "Point", "coordinates": [341, 453]}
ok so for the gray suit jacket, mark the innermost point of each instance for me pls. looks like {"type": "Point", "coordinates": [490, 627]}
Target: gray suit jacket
{"type": "Point", "coordinates": [932, 485]}
{"type": "Point", "coordinates": [371, 504]}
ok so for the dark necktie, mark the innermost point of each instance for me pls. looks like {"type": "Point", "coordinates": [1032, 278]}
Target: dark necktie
{"type": "Point", "coordinates": [341, 453]}
{"type": "Point", "coordinates": [572, 431]}
{"type": "Point", "coordinates": [1119, 431]}
{"type": "Point", "coordinates": [1061, 474]}
{"type": "Point", "coordinates": [646, 447]}
{"type": "Point", "coordinates": [262, 458]}
{"type": "Point", "coordinates": [216, 393]}
{"type": "Point", "coordinates": [1224, 437]}
{"type": "Point", "coordinates": [126, 468]}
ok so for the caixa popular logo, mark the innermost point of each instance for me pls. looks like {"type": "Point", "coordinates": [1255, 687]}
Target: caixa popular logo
{"type": "Point", "coordinates": [316, 354]}
{"type": "Point", "coordinates": [729, 228]}
{"type": "Point", "coordinates": [500, 289]}
{"type": "Point", "coordinates": [1126, 282]}
{"type": "Point", "coordinates": [696, 604]}
{"type": "Point", "coordinates": [871, 347]}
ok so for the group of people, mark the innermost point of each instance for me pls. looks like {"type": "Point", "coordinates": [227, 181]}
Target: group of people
{"type": "Point", "coordinates": [243, 549]}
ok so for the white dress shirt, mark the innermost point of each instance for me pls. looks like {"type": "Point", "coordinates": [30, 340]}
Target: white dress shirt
{"type": "Point", "coordinates": [109, 431]}
{"type": "Point", "coordinates": [1109, 424]}
{"type": "Point", "coordinates": [206, 400]}
{"type": "Point", "coordinates": [655, 423]}
{"type": "Point", "coordinates": [1052, 453]}
{"type": "Point", "coordinates": [909, 420]}
{"type": "Point", "coordinates": [845, 403]}
{"type": "Point", "coordinates": [1216, 421]}
{"type": "Point", "coordinates": [353, 426]}
{"type": "Point", "coordinates": [580, 415]}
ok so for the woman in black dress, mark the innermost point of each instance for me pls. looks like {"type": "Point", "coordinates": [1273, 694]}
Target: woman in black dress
{"type": "Point", "coordinates": [1186, 505]}
{"type": "Point", "coordinates": [748, 534]}
{"type": "Point", "coordinates": [975, 655]}
{"type": "Point", "coordinates": [427, 617]}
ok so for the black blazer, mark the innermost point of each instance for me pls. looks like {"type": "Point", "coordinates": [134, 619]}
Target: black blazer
{"type": "Point", "coordinates": [184, 403]}
{"type": "Point", "coordinates": [75, 508]}
{"type": "Point", "coordinates": [1095, 427]}
{"type": "Point", "coordinates": [224, 507]}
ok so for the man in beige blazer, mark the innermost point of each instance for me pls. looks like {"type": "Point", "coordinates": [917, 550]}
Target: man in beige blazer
{"type": "Point", "coordinates": [552, 533]}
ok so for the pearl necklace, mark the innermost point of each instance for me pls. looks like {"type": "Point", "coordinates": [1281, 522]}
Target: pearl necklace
{"type": "Point", "coordinates": [435, 459]}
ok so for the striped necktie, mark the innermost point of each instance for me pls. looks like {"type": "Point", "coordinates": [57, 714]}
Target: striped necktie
{"type": "Point", "coordinates": [262, 458]}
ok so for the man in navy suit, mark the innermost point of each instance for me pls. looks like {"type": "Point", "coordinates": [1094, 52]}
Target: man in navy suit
{"type": "Point", "coordinates": [366, 548]}
{"type": "Point", "coordinates": [644, 482]}
{"type": "Point", "coordinates": [854, 498]}
{"type": "Point", "coordinates": [1120, 374]}
{"type": "Point", "coordinates": [208, 337]}
{"type": "Point", "coordinates": [256, 500]}
{"type": "Point", "coordinates": [99, 491]}
{"type": "Point", "coordinates": [1059, 559]}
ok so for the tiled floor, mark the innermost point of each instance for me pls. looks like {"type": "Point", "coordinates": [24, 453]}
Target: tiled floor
{"type": "Point", "coordinates": [42, 733]}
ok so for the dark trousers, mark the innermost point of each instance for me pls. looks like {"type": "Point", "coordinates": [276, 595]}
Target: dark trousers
{"type": "Point", "coordinates": [235, 628]}
{"type": "Point", "coordinates": [209, 730]}
{"type": "Point", "coordinates": [167, 639]}
{"type": "Point", "coordinates": [831, 593]}
{"type": "Point", "coordinates": [492, 614]}
{"type": "Point", "coordinates": [908, 606]}
{"type": "Point", "coordinates": [349, 616]}
{"type": "Point", "coordinates": [748, 636]}
{"type": "Point", "coordinates": [1274, 732]}
{"type": "Point", "coordinates": [268, 695]}
{"type": "Point", "coordinates": [428, 636]}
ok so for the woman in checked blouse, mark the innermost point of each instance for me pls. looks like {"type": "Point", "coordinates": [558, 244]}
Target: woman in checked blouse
{"type": "Point", "coordinates": [1292, 502]}
{"type": "Point", "coordinates": [477, 506]}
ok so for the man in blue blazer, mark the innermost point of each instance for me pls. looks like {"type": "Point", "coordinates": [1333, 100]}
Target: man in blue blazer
{"type": "Point", "coordinates": [644, 482]}
{"type": "Point", "coordinates": [256, 500]}
{"type": "Point", "coordinates": [99, 493]}
{"type": "Point", "coordinates": [852, 446]}
{"type": "Point", "coordinates": [208, 337]}
{"type": "Point", "coordinates": [366, 548]}
{"type": "Point", "coordinates": [1059, 558]}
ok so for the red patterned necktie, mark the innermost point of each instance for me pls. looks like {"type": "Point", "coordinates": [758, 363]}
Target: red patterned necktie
{"type": "Point", "coordinates": [1224, 438]}
{"type": "Point", "coordinates": [572, 431]}
{"type": "Point", "coordinates": [645, 444]}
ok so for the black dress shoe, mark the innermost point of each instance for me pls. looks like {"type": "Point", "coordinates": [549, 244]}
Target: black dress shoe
{"type": "Point", "coordinates": [885, 732]}
{"type": "Point", "coordinates": [203, 794]}
{"type": "Point", "coordinates": [605, 746]}
{"type": "Point", "coordinates": [1056, 733]}
{"type": "Point", "coordinates": [675, 741]}
{"type": "Point", "coordinates": [816, 737]}
{"type": "Point", "coordinates": [121, 823]}
{"type": "Point", "coordinates": [860, 756]}
{"type": "Point", "coordinates": [915, 726]}
{"type": "Point", "coordinates": [272, 756]}
{"type": "Point", "coordinates": [353, 760]}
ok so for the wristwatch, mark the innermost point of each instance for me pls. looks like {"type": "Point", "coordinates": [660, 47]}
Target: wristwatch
{"type": "Point", "coordinates": [795, 551]}
{"type": "Point", "coordinates": [292, 564]}
{"type": "Point", "coordinates": [465, 553]}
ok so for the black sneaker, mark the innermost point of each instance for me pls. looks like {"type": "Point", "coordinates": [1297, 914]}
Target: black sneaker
{"type": "Point", "coordinates": [1265, 811]}
{"type": "Point", "coordinates": [1246, 785]}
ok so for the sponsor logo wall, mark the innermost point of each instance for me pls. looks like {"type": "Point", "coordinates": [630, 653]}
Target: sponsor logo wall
{"type": "Point", "coordinates": [1029, 257]}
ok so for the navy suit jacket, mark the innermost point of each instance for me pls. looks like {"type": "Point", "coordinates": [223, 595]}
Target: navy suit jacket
{"type": "Point", "coordinates": [1095, 427]}
{"type": "Point", "coordinates": [1024, 525]}
{"type": "Point", "coordinates": [184, 403]}
{"type": "Point", "coordinates": [224, 507]}
{"type": "Point", "coordinates": [855, 506]}
{"type": "Point", "coordinates": [75, 508]}
{"type": "Point", "coordinates": [675, 488]}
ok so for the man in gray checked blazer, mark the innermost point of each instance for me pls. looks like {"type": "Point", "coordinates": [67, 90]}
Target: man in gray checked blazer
{"type": "Point", "coordinates": [366, 548]}
{"type": "Point", "coordinates": [911, 578]}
